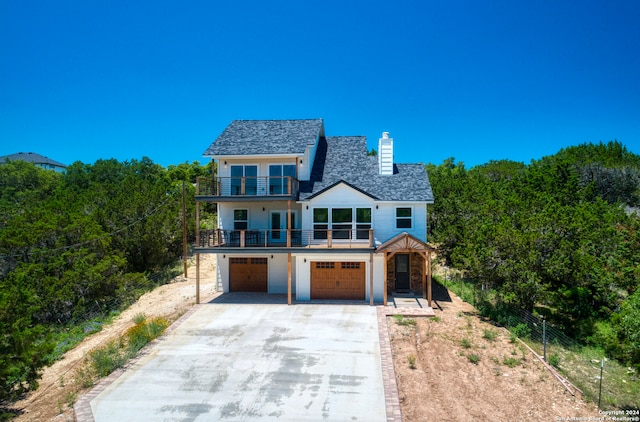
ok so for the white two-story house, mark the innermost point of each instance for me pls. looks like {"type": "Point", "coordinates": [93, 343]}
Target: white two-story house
{"type": "Point", "coordinates": [315, 216]}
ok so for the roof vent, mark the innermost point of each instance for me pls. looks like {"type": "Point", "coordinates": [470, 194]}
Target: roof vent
{"type": "Point", "coordinates": [385, 154]}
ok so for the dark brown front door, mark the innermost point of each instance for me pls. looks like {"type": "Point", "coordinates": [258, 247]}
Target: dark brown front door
{"type": "Point", "coordinates": [248, 274]}
{"type": "Point", "coordinates": [338, 280]}
{"type": "Point", "coordinates": [402, 272]}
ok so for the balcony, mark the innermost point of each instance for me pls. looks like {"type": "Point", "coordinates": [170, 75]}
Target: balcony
{"type": "Point", "coordinates": [247, 188]}
{"type": "Point", "coordinates": [295, 238]}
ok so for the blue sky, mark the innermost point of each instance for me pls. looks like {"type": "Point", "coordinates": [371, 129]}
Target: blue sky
{"type": "Point", "coordinates": [476, 80]}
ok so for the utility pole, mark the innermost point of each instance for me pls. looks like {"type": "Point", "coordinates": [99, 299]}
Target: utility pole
{"type": "Point", "coordinates": [184, 228]}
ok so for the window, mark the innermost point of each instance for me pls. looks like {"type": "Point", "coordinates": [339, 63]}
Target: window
{"type": "Point", "coordinates": [279, 175]}
{"type": "Point", "coordinates": [240, 219]}
{"type": "Point", "coordinates": [342, 220]}
{"type": "Point", "coordinates": [341, 223]}
{"type": "Point", "coordinates": [403, 218]}
{"type": "Point", "coordinates": [244, 180]}
{"type": "Point", "coordinates": [320, 223]}
{"type": "Point", "coordinates": [363, 222]}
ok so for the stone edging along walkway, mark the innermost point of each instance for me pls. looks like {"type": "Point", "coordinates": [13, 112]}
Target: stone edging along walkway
{"type": "Point", "coordinates": [83, 411]}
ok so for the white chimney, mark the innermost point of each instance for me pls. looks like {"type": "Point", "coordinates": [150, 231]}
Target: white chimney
{"type": "Point", "coordinates": [385, 154]}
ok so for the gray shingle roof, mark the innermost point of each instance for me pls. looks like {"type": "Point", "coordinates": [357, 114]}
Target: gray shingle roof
{"type": "Point", "coordinates": [345, 159]}
{"type": "Point", "coordinates": [256, 137]}
{"type": "Point", "coordinates": [31, 157]}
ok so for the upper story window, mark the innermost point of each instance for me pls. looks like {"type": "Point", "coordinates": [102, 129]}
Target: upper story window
{"type": "Point", "coordinates": [320, 223]}
{"type": "Point", "coordinates": [279, 175]}
{"type": "Point", "coordinates": [244, 180]}
{"type": "Point", "coordinates": [404, 218]}
{"type": "Point", "coordinates": [341, 223]}
{"type": "Point", "coordinates": [363, 222]}
{"type": "Point", "coordinates": [240, 219]}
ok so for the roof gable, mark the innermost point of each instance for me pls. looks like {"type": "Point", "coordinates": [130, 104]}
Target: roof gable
{"type": "Point", "coordinates": [345, 159]}
{"type": "Point", "coordinates": [337, 185]}
{"type": "Point", "coordinates": [267, 137]}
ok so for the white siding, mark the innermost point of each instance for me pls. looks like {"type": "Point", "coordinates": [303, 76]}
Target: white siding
{"type": "Point", "coordinates": [222, 272]}
{"type": "Point", "coordinates": [278, 274]}
{"type": "Point", "coordinates": [341, 196]}
{"type": "Point", "coordinates": [303, 170]}
{"type": "Point", "coordinates": [258, 219]}
{"type": "Point", "coordinates": [383, 218]}
{"type": "Point", "coordinates": [385, 227]}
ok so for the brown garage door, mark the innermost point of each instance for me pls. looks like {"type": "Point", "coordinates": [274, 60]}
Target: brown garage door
{"type": "Point", "coordinates": [338, 280]}
{"type": "Point", "coordinates": [248, 274]}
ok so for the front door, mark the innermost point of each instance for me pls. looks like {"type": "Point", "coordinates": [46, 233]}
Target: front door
{"type": "Point", "coordinates": [402, 272]}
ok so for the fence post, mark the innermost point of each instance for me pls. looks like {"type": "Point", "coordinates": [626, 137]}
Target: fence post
{"type": "Point", "coordinates": [601, 371]}
{"type": "Point", "coordinates": [544, 338]}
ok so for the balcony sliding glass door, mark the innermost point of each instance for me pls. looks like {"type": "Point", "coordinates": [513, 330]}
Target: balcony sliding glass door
{"type": "Point", "coordinates": [279, 178]}
{"type": "Point", "coordinates": [244, 180]}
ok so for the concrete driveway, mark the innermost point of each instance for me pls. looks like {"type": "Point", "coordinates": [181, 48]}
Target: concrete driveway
{"type": "Point", "coordinates": [253, 362]}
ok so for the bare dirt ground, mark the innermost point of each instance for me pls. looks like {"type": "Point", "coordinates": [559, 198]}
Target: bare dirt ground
{"type": "Point", "coordinates": [447, 386]}
{"type": "Point", "coordinates": [57, 390]}
{"type": "Point", "coordinates": [444, 386]}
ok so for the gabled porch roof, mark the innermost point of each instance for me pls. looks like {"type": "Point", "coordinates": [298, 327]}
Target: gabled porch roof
{"type": "Point", "coordinates": [404, 242]}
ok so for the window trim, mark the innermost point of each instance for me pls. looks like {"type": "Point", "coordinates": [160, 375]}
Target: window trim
{"type": "Point", "coordinates": [250, 182]}
{"type": "Point", "coordinates": [277, 184]}
{"type": "Point", "coordinates": [240, 221]}
{"type": "Point", "coordinates": [404, 218]}
{"type": "Point", "coordinates": [320, 228]}
{"type": "Point", "coordinates": [363, 227]}
{"type": "Point", "coordinates": [359, 230]}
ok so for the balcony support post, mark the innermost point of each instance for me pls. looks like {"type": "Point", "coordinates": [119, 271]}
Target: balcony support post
{"type": "Point", "coordinates": [289, 278]}
{"type": "Point", "coordinates": [184, 227]}
{"type": "Point", "coordinates": [197, 278]}
{"type": "Point", "coordinates": [429, 278]}
{"type": "Point", "coordinates": [384, 291]}
{"type": "Point", "coordinates": [371, 279]}
{"type": "Point", "coordinates": [197, 223]}
{"type": "Point", "coordinates": [289, 224]}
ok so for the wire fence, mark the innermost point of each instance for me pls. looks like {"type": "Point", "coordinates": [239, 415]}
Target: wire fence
{"type": "Point", "coordinates": [608, 383]}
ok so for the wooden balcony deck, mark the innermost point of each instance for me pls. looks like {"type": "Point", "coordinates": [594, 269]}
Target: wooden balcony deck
{"type": "Point", "coordinates": [246, 188]}
{"type": "Point", "coordinates": [291, 238]}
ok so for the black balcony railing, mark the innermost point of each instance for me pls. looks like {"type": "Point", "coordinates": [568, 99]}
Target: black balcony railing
{"type": "Point", "coordinates": [283, 186]}
{"type": "Point", "coordinates": [286, 238]}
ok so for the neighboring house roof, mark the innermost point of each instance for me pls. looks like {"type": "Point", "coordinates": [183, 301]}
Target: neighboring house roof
{"type": "Point", "coordinates": [344, 159]}
{"type": "Point", "coordinates": [273, 137]}
{"type": "Point", "coordinates": [31, 157]}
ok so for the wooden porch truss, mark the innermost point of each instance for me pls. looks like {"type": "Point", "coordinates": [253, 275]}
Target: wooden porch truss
{"type": "Point", "coordinates": [406, 243]}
